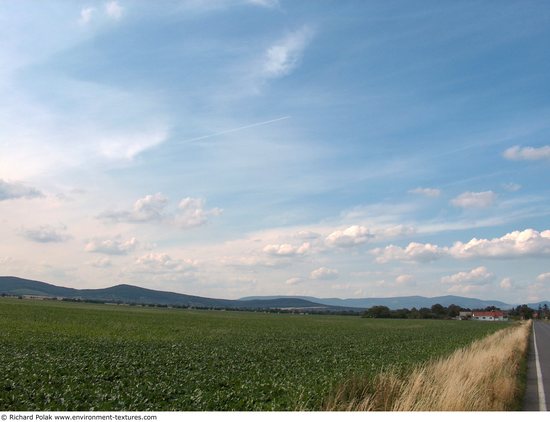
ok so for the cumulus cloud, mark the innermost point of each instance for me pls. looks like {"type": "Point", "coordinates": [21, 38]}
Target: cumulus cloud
{"type": "Point", "coordinates": [528, 242]}
{"type": "Point", "coordinates": [506, 283]}
{"type": "Point", "coordinates": [429, 192]}
{"type": "Point", "coordinates": [324, 273]}
{"type": "Point", "coordinates": [283, 57]}
{"type": "Point", "coordinates": [162, 263]}
{"type": "Point", "coordinates": [113, 10]}
{"type": "Point", "coordinates": [422, 252]}
{"type": "Point", "coordinates": [16, 190]}
{"type": "Point", "coordinates": [516, 244]}
{"type": "Point", "coordinates": [190, 212]}
{"type": "Point", "coordinates": [46, 234]}
{"type": "Point", "coordinates": [287, 250]}
{"type": "Point", "coordinates": [467, 281]}
{"type": "Point", "coordinates": [403, 278]}
{"type": "Point", "coordinates": [527, 153]}
{"type": "Point", "coordinates": [477, 275]}
{"type": "Point", "coordinates": [474, 199]}
{"type": "Point", "coordinates": [543, 277]}
{"type": "Point", "coordinates": [115, 246]}
{"type": "Point", "coordinates": [148, 208]}
{"type": "Point", "coordinates": [352, 236]}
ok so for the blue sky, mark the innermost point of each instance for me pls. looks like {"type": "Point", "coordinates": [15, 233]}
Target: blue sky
{"type": "Point", "coordinates": [243, 147]}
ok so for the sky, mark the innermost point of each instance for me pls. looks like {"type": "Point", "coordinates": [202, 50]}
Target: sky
{"type": "Point", "coordinates": [230, 148]}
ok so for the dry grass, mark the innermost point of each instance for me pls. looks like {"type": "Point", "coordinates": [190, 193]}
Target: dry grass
{"type": "Point", "coordinates": [482, 376]}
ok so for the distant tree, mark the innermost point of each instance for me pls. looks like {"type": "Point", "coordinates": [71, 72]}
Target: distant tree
{"type": "Point", "coordinates": [377, 312]}
{"type": "Point", "coordinates": [491, 308]}
{"type": "Point", "coordinates": [524, 312]}
{"type": "Point", "coordinates": [453, 311]}
{"type": "Point", "coordinates": [426, 313]}
{"type": "Point", "coordinates": [400, 313]}
{"type": "Point", "coordinates": [414, 314]}
{"type": "Point", "coordinates": [438, 310]}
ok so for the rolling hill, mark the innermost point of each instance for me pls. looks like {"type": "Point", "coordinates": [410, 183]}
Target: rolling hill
{"type": "Point", "coordinates": [132, 294]}
{"type": "Point", "coordinates": [397, 302]}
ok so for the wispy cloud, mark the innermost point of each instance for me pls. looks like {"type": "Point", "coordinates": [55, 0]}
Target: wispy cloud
{"type": "Point", "coordinates": [527, 153]}
{"type": "Point", "coordinates": [86, 15]}
{"type": "Point", "coordinates": [114, 10]}
{"type": "Point", "coordinates": [429, 192]}
{"type": "Point", "coordinates": [46, 234]}
{"type": "Point", "coordinates": [285, 55]}
{"type": "Point", "coordinates": [474, 199]}
{"type": "Point", "coordinates": [15, 190]}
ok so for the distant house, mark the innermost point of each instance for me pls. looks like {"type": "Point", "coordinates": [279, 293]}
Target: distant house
{"type": "Point", "coordinates": [489, 316]}
{"type": "Point", "coordinates": [464, 315]}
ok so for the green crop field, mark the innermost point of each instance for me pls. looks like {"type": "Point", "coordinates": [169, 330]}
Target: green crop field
{"type": "Point", "coordinates": [65, 356]}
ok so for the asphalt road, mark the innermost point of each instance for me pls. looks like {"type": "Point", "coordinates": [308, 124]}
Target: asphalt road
{"type": "Point", "coordinates": [538, 375]}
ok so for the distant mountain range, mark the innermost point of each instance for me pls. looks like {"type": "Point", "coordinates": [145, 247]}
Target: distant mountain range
{"type": "Point", "coordinates": [132, 294]}
{"type": "Point", "coordinates": [125, 293]}
{"type": "Point", "coordinates": [396, 302]}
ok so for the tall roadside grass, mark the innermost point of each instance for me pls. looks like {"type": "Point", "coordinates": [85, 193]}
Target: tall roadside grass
{"type": "Point", "coordinates": [482, 376]}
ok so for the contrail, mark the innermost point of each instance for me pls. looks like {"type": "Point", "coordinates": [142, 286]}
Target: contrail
{"type": "Point", "coordinates": [187, 141]}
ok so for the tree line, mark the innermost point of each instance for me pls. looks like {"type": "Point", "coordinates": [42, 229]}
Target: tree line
{"type": "Point", "coordinates": [439, 311]}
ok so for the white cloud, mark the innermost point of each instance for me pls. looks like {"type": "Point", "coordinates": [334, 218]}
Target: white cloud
{"type": "Point", "coordinates": [102, 262]}
{"type": "Point", "coordinates": [114, 10]}
{"type": "Point", "coordinates": [126, 146]}
{"type": "Point", "coordinates": [287, 250]}
{"type": "Point", "coordinates": [422, 252]}
{"type": "Point", "coordinates": [403, 278]}
{"type": "Point", "coordinates": [148, 208]}
{"type": "Point", "coordinates": [429, 192]}
{"type": "Point", "coordinates": [527, 153]}
{"type": "Point", "coordinates": [16, 190]}
{"type": "Point", "coordinates": [86, 15]}
{"type": "Point", "coordinates": [191, 213]}
{"type": "Point", "coordinates": [528, 242]}
{"type": "Point", "coordinates": [111, 246]}
{"type": "Point", "coordinates": [46, 234]}
{"type": "Point", "coordinates": [467, 281]}
{"type": "Point", "coordinates": [511, 187]}
{"type": "Point", "coordinates": [283, 57]}
{"type": "Point", "coordinates": [324, 273]}
{"type": "Point", "coordinates": [516, 244]}
{"type": "Point", "coordinates": [160, 263]}
{"type": "Point", "coordinates": [543, 277]}
{"type": "Point", "coordinates": [152, 208]}
{"type": "Point", "coordinates": [264, 3]}
{"type": "Point", "coordinates": [478, 275]}
{"type": "Point", "coordinates": [294, 280]}
{"type": "Point", "coordinates": [474, 199]}
{"type": "Point", "coordinates": [394, 231]}
{"type": "Point", "coordinates": [352, 236]}
{"type": "Point", "coordinates": [506, 283]}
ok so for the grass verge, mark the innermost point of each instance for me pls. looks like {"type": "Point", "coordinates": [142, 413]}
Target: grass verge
{"type": "Point", "coordinates": [483, 376]}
